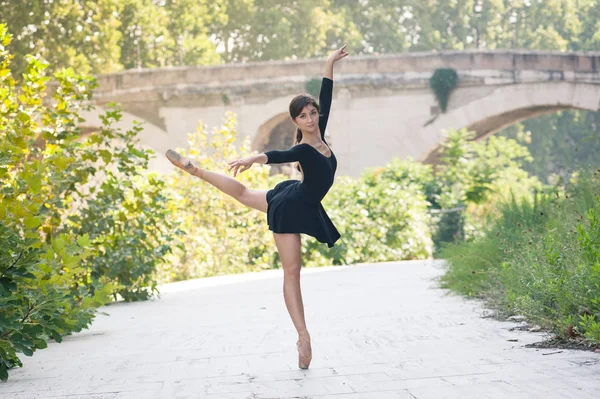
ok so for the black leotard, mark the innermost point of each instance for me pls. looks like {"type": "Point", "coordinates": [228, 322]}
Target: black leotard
{"type": "Point", "coordinates": [295, 206]}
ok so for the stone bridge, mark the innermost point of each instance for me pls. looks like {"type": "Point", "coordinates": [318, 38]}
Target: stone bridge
{"type": "Point", "coordinates": [383, 106]}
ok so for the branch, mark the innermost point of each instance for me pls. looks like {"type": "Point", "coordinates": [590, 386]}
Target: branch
{"type": "Point", "coordinates": [14, 263]}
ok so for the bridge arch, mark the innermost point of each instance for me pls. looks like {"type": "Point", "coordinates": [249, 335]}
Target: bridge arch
{"type": "Point", "coordinates": [507, 105]}
{"type": "Point", "coordinates": [383, 105]}
{"type": "Point", "coordinates": [275, 134]}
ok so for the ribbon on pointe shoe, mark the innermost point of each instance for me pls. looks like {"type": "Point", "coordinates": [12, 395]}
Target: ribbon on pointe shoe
{"type": "Point", "coordinates": [303, 361]}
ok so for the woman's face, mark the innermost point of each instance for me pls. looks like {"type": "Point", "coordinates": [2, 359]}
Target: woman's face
{"type": "Point", "coordinates": [308, 120]}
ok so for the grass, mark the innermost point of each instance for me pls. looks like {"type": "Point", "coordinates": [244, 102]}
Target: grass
{"type": "Point", "coordinates": [541, 259]}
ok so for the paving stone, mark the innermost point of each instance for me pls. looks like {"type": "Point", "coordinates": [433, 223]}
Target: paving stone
{"type": "Point", "coordinates": [379, 331]}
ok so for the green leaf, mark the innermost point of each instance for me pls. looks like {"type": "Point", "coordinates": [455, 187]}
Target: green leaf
{"type": "Point", "coordinates": [34, 181]}
{"type": "Point", "coordinates": [106, 156]}
{"type": "Point", "coordinates": [84, 240]}
{"type": "Point", "coordinates": [3, 371]}
{"type": "Point", "coordinates": [8, 284]}
{"type": "Point", "coordinates": [55, 335]}
{"type": "Point", "coordinates": [33, 330]}
{"type": "Point", "coordinates": [5, 323]}
{"type": "Point", "coordinates": [40, 344]}
{"type": "Point", "coordinates": [23, 117]}
{"type": "Point", "coordinates": [32, 221]}
{"type": "Point", "coordinates": [58, 244]}
{"type": "Point", "coordinates": [62, 163]}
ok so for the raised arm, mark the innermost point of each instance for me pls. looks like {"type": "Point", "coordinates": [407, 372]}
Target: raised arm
{"type": "Point", "coordinates": [325, 96]}
{"type": "Point", "coordinates": [326, 93]}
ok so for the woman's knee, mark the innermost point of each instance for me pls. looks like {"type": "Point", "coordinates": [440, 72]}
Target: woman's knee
{"type": "Point", "coordinates": [292, 269]}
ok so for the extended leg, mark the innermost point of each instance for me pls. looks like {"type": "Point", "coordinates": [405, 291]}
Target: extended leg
{"type": "Point", "coordinates": [288, 246]}
{"type": "Point", "coordinates": [256, 199]}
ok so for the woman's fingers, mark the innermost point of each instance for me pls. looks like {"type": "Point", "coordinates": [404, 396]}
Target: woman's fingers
{"type": "Point", "coordinates": [238, 167]}
{"type": "Point", "coordinates": [242, 168]}
{"type": "Point", "coordinates": [340, 53]}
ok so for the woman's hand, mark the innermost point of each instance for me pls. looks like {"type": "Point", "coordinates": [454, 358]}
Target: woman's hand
{"type": "Point", "coordinates": [338, 54]}
{"type": "Point", "coordinates": [241, 165]}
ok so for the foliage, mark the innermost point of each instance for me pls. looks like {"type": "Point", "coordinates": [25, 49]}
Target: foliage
{"type": "Point", "coordinates": [66, 33]}
{"type": "Point", "coordinates": [125, 214]}
{"type": "Point", "coordinates": [313, 87]}
{"type": "Point", "coordinates": [159, 34]}
{"type": "Point", "coordinates": [541, 259]}
{"type": "Point", "coordinates": [383, 215]}
{"type": "Point", "coordinates": [275, 30]}
{"type": "Point", "coordinates": [38, 272]}
{"type": "Point", "coordinates": [443, 82]}
{"type": "Point", "coordinates": [109, 35]}
{"type": "Point", "coordinates": [52, 183]}
{"type": "Point", "coordinates": [560, 143]}
{"type": "Point", "coordinates": [379, 220]}
{"type": "Point", "coordinates": [477, 175]}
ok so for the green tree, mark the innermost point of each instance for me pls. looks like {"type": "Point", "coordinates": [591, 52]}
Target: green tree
{"type": "Point", "coordinates": [66, 33]}
{"type": "Point", "coordinates": [272, 30]}
{"type": "Point", "coordinates": [559, 143]}
{"type": "Point", "coordinates": [157, 34]}
{"type": "Point", "coordinates": [382, 26]}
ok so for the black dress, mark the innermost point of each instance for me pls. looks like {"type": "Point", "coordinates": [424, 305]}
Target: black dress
{"type": "Point", "coordinates": [295, 206]}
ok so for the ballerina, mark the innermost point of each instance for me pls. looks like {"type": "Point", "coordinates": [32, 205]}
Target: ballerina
{"type": "Point", "coordinates": [293, 207]}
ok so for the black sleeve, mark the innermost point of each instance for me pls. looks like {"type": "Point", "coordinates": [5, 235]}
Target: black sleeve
{"type": "Point", "coordinates": [294, 154]}
{"type": "Point", "coordinates": [325, 96]}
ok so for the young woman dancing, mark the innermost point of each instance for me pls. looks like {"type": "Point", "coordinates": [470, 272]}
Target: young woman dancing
{"type": "Point", "coordinates": [292, 206]}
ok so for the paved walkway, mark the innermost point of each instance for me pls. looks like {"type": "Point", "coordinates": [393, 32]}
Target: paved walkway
{"type": "Point", "coordinates": [379, 331]}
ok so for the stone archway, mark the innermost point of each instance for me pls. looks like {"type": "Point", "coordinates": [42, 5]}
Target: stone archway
{"type": "Point", "coordinates": [507, 105]}
{"type": "Point", "coordinates": [278, 133]}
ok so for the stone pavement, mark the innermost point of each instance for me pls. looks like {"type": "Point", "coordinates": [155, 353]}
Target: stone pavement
{"type": "Point", "coordinates": [379, 331]}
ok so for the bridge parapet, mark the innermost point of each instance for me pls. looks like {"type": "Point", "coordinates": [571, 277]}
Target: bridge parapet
{"type": "Point", "coordinates": [424, 62]}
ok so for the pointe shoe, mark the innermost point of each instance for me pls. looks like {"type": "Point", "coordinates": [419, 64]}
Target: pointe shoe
{"type": "Point", "coordinates": [179, 161]}
{"type": "Point", "coordinates": [303, 361]}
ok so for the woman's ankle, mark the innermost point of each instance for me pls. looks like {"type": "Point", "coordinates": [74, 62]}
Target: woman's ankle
{"type": "Point", "coordinates": [195, 171]}
{"type": "Point", "coordinates": [304, 334]}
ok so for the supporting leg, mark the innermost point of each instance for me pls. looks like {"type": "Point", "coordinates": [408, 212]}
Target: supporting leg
{"type": "Point", "coordinates": [288, 246]}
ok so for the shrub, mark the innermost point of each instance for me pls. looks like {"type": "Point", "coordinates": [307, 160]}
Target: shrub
{"type": "Point", "coordinates": [476, 176]}
{"type": "Point", "coordinates": [39, 270]}
{"type": "Point", "coordinates": [379, 220]}
{"type": "Point", "coordinates": [64, 205]}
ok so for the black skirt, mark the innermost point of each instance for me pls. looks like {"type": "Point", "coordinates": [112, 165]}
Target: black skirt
{"type": "Point", "coordinates": [288, 212]}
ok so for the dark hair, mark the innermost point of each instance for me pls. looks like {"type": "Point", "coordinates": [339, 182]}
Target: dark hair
{"type": "Point", "coordinates": [296, 107]}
